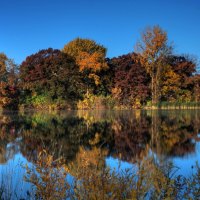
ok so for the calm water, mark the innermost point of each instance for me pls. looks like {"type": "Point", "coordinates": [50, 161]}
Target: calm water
{"type": "Point", "coordinates": [121, 137]}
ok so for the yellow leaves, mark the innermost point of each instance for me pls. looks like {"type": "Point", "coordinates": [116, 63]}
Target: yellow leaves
{"type": "Point", "coordinates": [91, 102]}
{"type": "Point", "coordinates": [170, 84]}
{"type": "Point", "coordinates": [48, 176]}
{"type": "Point", "coordinates": [87, 161]}
{"type": "Point", "coordinates": [87, 53]}
{"type": "Point", "coordinates": [152, 47]}
{"type": "Point", "coordinates": [154, 39]}
{"type": "Point", "coordinates": [96, 139]}
{"type": "Point", "coordinates": [159, 38]}
{"type": "Point", "coordinates": [93, 180]}
{"type": "Point", "coordinates": [89, 158]}
{"type": "Point", "coordinates": [4, 100]}
{"type": "Point", "coordinates": [116, 91]}
{"type": "Point", "coordinates": [96, 78]}
{"type": "Point", "coordinates": [89, 57]}
{"type": "Point", "coordinates": [94, 61]}
{"type": "Point", "coordinates": [78, 45]}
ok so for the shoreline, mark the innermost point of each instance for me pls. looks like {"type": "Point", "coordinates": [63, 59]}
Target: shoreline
{"type": "Point", "coordinates": [45, 109]}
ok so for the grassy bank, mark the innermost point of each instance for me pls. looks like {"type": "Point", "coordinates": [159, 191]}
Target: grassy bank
{"type": "Point", "coordinates": [173, 105]}
{"type": "Point", "coordinates": [94, 102]}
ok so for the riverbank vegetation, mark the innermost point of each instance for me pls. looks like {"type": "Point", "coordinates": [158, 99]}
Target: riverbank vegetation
{"type": "Point", "coordinates": [90, 178]}
{"type": "Point", "coordinates": [80, 76]}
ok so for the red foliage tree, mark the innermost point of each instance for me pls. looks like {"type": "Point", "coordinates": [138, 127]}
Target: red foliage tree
{"type": "Point", "coordinates": [131, 82]}
{"type": "Point", "coordinates": [50, 72]}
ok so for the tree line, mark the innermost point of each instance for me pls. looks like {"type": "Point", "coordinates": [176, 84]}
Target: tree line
{"type": "Point", "coordinates": [81, 76]}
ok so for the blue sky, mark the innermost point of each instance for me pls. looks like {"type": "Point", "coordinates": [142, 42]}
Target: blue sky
{"type": "Point", "coordinates": [28, 26]}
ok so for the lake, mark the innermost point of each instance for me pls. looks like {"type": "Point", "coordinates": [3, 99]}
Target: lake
{"type": "Point", "coordinates": [118, 139]}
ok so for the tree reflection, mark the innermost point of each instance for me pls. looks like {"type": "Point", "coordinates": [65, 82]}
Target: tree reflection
{"type": "Point", "coordinates": [126, 135]}
{"type": "Point", "coordinates": [9, 132]}
{"type": "Point", "coordinates": [175, 133]}
{"type": "Point", "coordinates": [131, 135]}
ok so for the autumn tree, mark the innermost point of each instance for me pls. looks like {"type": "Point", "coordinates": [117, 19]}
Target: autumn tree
{"type": "Point", "coordinates": [106, 80]}
{"type": "Point", "coordinates": [79, 45]}
{"type": "Point", "coordinates": [90, 58]}
{"type": "Point", "coordinates": [152, 51]}
{"type": "Point", "coordinates": [3, 61]}
{"type": "Point", "coordinates": [130, 82]}
{"type": "Point", "coordinates": [196, 89]}
{"type": "Point", "coordinates": [171, 86]}
{"type": "Point", "coordinates": [9, 91]}
{"type": "Point", "coordinates": [177, 80]}
{"type": "Point", "coordinates": [52, 73]}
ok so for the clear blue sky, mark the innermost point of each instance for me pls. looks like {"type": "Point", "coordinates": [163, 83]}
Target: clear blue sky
{"type": "Point", "coordinates": [28, 26]}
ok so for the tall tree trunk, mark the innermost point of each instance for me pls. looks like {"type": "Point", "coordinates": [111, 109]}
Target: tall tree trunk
{"type": "Point", "coordinates": [154, 90]}
{"type": "Point", "coordinates": [156, 85]}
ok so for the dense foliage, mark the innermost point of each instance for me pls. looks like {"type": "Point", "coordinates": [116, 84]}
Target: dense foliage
{"type": "Point", "coordinates": [130, 82]}
{"type": "Point", "coordinates": [90, 59]}
{"type": "Point", "coordinates": [51, 75]}
{"type": "Point", "coordinates": [9, 90]}
{"type": "Point", "coordinates": [80, 76]}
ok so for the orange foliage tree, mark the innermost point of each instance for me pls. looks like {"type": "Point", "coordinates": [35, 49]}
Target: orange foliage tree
{"type": "Point", "coordinates": [170, 87]}
{"type": "Point", "coordinates": [152, 51]}
{"type": "Point", "coordinates": [90, 57]}
{"type": "Point", "coordinates": [9, 92]}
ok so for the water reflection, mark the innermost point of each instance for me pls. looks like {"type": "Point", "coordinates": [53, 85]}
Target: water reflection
{"type": "Point", "coordinates": [128, 136]}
